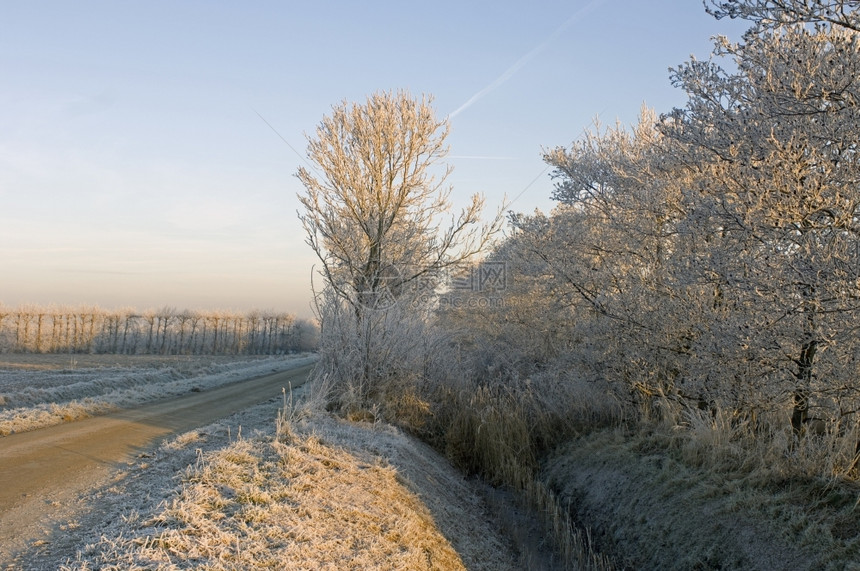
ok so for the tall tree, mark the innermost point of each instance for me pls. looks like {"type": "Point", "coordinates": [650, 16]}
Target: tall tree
{"type": "Point", "coordinates": [374, 203]}
{"type": "Point", "coordinates": [378, 215]}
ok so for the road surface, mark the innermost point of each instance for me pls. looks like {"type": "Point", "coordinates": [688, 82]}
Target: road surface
{"type": "Point", "coordinates": [54, 466]}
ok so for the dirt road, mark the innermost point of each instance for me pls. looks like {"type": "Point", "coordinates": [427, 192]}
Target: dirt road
{"type": "Point", "coordinates": [43, 473]}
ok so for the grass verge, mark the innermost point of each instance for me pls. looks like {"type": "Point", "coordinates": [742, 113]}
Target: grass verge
{"type": "Point", "coordinates": [656, 505]}
{"type": "Point", "coordinates": [315, 493]}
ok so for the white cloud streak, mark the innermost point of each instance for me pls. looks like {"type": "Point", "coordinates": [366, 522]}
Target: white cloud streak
{"type": "Point", "coordinates": [482, 157]}
{"type": "Point", "coordinates": [511, 71]}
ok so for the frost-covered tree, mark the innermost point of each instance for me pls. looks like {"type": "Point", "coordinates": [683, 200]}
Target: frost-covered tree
{"type": "Point", "coordinates": [778, 142]}
{"type": "Point", "coordinates": [711, 258]}
{"type": "Point", "coordinates": [599, 291]}
{"type": "Point", "coordinates": [618, 251]}
{"type": "Point", "coordinates": [839, 13]}
{"type": "Point", "coordinates": [376, 201]}
{"type": "Point", "coordinates": [378, 215]}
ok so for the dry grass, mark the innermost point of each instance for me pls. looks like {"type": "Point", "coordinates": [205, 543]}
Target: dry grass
{"type": "Point", "coordinates": [709, 496]}
{"type": "Point", "coordinates": [72, 361]}
{"type": "Point", "coordinates": [502, 433]}
{"type": "Point", "coordinates": [673, 489]}
{"type": "Point", "coordinates": [692, 490]}
{"type": "Point", "coordinates": [572, 541]}
{"type": "Point", "coordinates": [293, 503]}
{"type": "Point", "coordinates": [307, 492]}
{"type": "Point", "coordinates": [458, 505]}
{"type": "Point", "coordinates": [31, 418]}
{"type": "Point", "coordinates": [766, 452]}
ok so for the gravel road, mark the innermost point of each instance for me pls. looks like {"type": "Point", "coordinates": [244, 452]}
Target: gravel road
{"type": "Point", "coordinates": [45, 473]}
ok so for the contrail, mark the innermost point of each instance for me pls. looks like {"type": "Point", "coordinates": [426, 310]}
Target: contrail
{"type": "Point", "coordinates": [298, 154]}
{"type": "Point", "coordinates": [579, 14]}
{"type": "Point", "coordinates": [482, 157]}
{"type": "Point", "coordinates": [546, 168]}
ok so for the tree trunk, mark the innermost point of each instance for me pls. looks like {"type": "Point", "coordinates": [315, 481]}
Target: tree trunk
{"type": "Point", "coordinates": [800, 413]}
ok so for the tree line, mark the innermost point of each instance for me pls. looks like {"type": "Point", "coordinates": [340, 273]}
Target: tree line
{"type": "Point", "coordinates": [701, 266]}
{"type": "Point", "coordinates": [165, 331]}
{"type": "Point", "coordinates": [706, 261]}
{"type": "Point", "coordinates": [700, 272]}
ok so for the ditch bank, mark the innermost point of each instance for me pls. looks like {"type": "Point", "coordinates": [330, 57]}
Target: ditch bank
{"type": "Point", "coordinates": [646, 509]}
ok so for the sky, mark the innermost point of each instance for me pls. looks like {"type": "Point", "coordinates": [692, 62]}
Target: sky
{"type": "Point", "coordinates": [148, 149]}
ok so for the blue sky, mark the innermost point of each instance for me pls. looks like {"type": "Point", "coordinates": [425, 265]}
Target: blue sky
{"type": "Point", "coordinates": [136, 171]}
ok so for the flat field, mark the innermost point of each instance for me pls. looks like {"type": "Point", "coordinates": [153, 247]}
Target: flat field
{"type": "Point", "coordinates": [62, 361]}
{"type": "Point", "coordinates": [39, 390]}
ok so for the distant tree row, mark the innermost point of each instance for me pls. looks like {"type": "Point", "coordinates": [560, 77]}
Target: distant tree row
{"type": "Point", "coordinates": [165, 331]}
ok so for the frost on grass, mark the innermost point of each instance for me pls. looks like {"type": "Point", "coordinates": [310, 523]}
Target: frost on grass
{"type": "Point", "coordinates": [31, 399]}
{"type": "Point", "coordinates": [184, 440]}
{"type": "Point", "coordinates": [268, 504]}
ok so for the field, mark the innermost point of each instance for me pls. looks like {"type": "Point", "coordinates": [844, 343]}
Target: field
{"type": "Point", "coordinates": [43, 390]}
{"type": "Point", "coordinates": [61, 361]}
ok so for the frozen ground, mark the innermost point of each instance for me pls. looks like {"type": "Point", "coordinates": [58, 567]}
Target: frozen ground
{"type": "Point", "coordinates": [241, 494]}
{"type": "Point", "coordinates": [42, 390]}
{"type": "Point", "coordinates": [309, 493]}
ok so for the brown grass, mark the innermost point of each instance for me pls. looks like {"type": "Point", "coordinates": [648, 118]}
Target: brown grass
{"type": "Point", "coordinates": [289, 503]}
{"type": "Point", "coordinates": [502, 433]}
{"type": "Point", "coordinates": [711, 494]}
{"type": "Point", "coordinates": [673, 488]}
